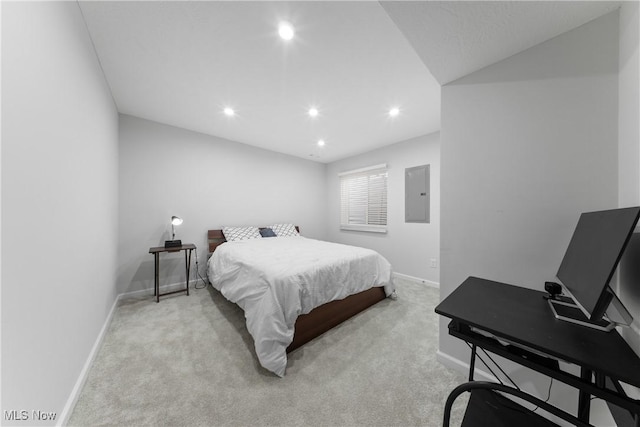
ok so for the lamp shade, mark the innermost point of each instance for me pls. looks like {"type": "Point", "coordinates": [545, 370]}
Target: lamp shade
{"type": "Point", "coordinates": [176, 220]}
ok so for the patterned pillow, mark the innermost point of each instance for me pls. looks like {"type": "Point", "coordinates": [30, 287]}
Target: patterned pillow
{"type": "Point", "coordinates": [233, 234]}
{"type": "Point", "coordinates": [284, 230]}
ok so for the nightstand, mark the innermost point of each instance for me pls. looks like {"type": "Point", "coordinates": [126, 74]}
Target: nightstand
{"type": "Point", "coordinates": [187, 248]}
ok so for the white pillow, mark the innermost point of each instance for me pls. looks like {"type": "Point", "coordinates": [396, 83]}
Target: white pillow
{"type": "Point", "coordinates": [233, 234]}
{"type": "Point", "coordinates": [284, 230]}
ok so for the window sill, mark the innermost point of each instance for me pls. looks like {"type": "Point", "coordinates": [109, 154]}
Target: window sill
{"type": "Point", "coordinates": [365, 228]}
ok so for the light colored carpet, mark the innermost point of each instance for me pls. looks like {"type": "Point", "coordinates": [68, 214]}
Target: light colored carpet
{"type": "Point", "coordinates": [189, 360]}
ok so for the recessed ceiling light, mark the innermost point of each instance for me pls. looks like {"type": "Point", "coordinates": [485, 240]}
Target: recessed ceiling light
{"type": "Point", "coordinates": [228, 111]}
{"type": "Point", "coordinates": [394, 111]}
{"type": "Point", "coordinates": [286, 31]}
{"type": "Point", "coordinates": [313, 112]}
{"type": "Point", "coordinates": [321, 143]}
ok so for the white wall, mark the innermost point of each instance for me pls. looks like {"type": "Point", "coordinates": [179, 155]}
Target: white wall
{"type": "Point", "coordinates": [59, 204]}
{"type": "Point", "coordinates": [209, 182]}
{"type": "Point", "coordinates": [409, 247]}
{"type": "Point", "coordinates": [527, 145]}
{"type": "Point", "coordinates": [629, 105]}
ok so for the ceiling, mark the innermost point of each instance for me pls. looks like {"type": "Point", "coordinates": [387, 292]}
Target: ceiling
{"type": "Point", "coordinates": [455, 38]}
{"type": "Point", "coordinates": [181, 63]}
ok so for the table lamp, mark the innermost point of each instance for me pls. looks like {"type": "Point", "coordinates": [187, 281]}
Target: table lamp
{"type": "Point", "coordinates": [173, 243]}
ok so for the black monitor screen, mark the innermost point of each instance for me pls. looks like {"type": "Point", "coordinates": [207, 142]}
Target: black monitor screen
{"type": "Point", "coordinates": [593, 255]}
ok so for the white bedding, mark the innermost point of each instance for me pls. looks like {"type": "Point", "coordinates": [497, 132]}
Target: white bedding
{"type": "Point", "coordinates": [276, 279]}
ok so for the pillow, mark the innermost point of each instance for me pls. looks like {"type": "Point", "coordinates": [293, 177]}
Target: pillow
{"type": "Point", "coordinates": [284, 230]}
{"type": "Point", "coordinates": [233, 234]}
{"type": "Point", "coordinates": [267, 232]}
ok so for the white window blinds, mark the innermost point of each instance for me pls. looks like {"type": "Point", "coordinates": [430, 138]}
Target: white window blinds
{"type": "Point", "coordinates": [363, 199]}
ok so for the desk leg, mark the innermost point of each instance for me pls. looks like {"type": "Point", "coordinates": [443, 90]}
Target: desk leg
{"type": "Point", "coordinates": [584, 398]}
{"type": "Point", "coordinates": [472, 363]}
{"type": "Point", "coordinates": [156, 287]}
{"type": "Point", "coordinates": [187, 265]}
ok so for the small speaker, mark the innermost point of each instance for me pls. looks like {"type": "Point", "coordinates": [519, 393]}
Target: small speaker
{"type": "Point", "coordinates": [172, 243]}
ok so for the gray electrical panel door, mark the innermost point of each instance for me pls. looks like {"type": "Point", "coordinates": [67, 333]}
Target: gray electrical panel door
{"type": "Point", "coordinates": [416, 194]}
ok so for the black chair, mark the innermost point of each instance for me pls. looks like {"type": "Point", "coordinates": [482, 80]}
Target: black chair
{"type": "Point", "coordinates": [489, 408]}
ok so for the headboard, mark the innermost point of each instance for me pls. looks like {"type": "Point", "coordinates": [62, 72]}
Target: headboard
{"type": "Point", "coordinates": [216, 238]}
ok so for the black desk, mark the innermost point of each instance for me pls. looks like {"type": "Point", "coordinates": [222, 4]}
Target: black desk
{"type": "Point", "coordinates": [187, 248]}
{"type": "Point", "coordinates": [523, 318]}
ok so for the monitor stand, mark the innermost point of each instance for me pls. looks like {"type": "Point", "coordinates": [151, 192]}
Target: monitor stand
{"type": "Point", "coordinates": [565, 309]}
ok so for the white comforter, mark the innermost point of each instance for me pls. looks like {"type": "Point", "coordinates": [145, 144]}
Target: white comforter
{"type": "Point", "coordinates": [276, 279]}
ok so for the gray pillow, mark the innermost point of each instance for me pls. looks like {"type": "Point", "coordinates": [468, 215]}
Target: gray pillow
{"type": "Point", "coordinates": [267, 232]}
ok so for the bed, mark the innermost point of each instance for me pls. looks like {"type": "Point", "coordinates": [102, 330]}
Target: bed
{"type": "Point", "coordinates": [293, 289]}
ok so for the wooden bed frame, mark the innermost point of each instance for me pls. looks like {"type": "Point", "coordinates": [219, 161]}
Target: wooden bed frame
{"type": "Point", "coordinates": [327, 316]}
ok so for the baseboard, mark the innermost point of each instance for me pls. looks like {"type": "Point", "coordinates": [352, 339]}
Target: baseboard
{"type": "Point", "coordinates": [84, 373]}
{"type": "Point", "coordinates": [463, 367]}
{"type": "Point", "coordinates": [418, 280]}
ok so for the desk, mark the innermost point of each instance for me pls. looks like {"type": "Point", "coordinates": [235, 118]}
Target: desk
{"type": "Point", "coordinates": [537, 340]}
{"type": "Point", "coordinates": [187, 248]}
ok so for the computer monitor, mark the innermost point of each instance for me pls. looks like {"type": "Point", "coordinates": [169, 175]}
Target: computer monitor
{"type": "Point", "coordinates": [590, 262]}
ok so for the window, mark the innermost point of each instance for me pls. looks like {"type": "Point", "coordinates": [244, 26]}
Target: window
{"type": "Point", "coordinates": [363, 199]}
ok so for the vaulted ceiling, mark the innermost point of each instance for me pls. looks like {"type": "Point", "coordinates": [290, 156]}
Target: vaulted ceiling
{"type": "Point", "coordinates": [455, 38]}
{"type": "Point", "coordinates": [182, 63]}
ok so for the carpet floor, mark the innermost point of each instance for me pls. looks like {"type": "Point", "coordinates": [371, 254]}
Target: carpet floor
{"type": "Point", "coordinates": [189, 360]}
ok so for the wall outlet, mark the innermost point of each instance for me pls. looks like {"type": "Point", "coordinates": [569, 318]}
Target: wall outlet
{"type": "Point", "coordinates": [434, 263]}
